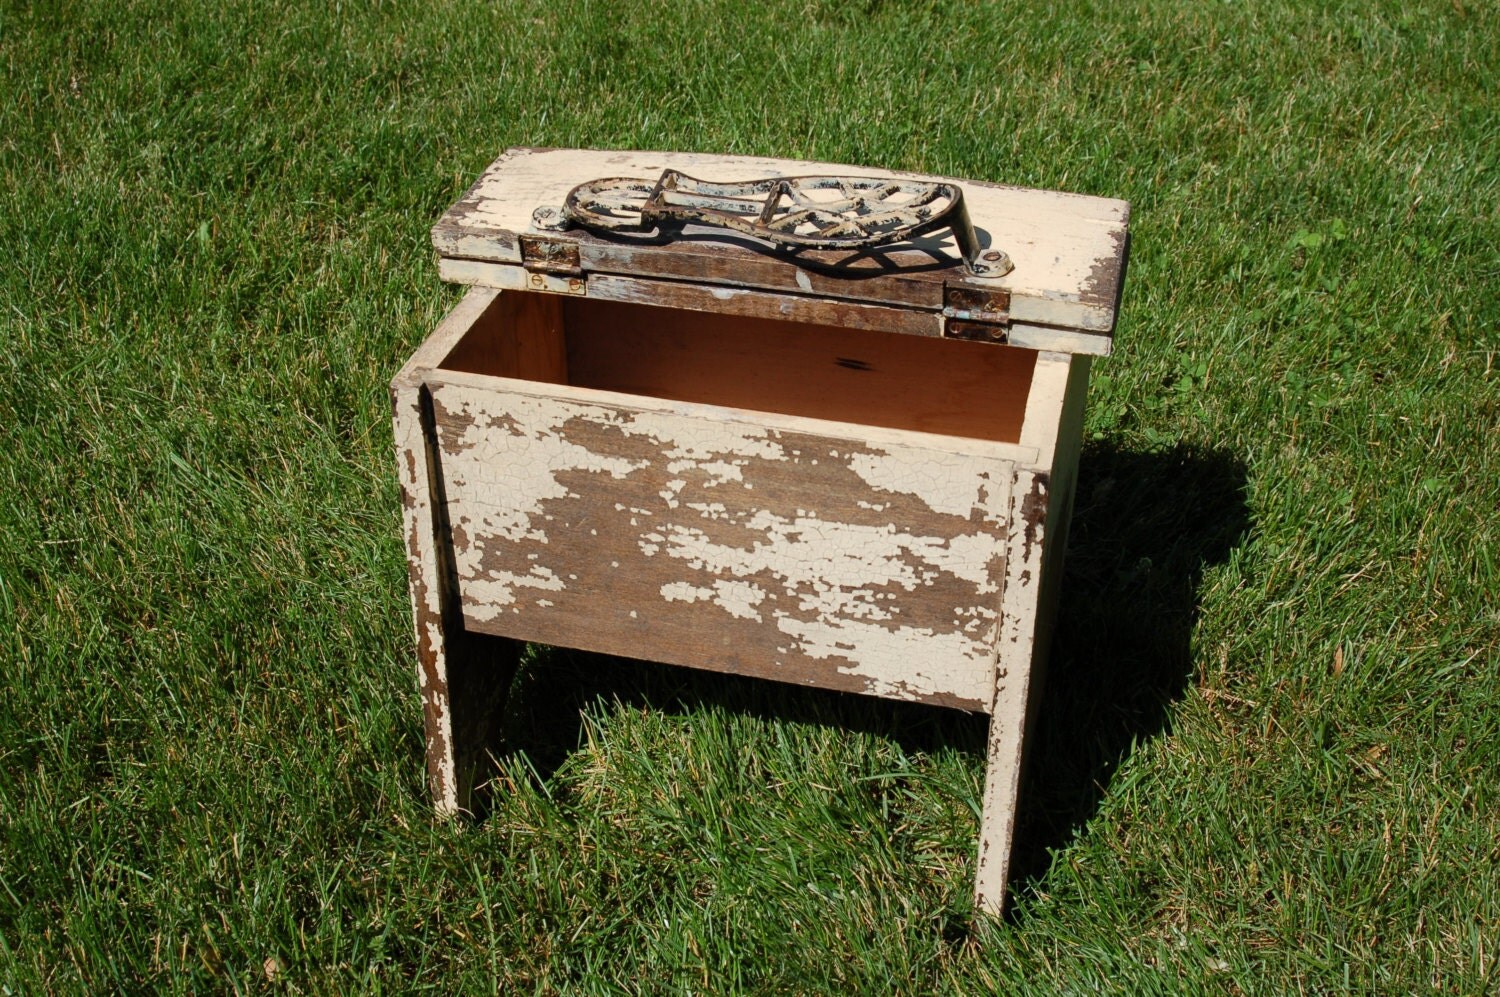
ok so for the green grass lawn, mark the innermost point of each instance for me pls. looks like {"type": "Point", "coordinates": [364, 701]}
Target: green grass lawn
{"type": "Point", "coordinates": [1269, 754]}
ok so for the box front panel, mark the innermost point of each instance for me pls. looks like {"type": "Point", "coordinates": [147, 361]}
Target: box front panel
{"type": "Point", "coordinates": [700, 540]}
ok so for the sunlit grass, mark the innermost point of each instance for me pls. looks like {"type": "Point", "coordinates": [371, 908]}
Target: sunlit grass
{"type": "Point", "coordinates": [1269, 756]}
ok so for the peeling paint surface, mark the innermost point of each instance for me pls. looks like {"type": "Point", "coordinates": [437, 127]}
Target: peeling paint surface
{"type": "Point", "coordinates": [424, 587]}
{"type": "Point", "coordinates": [694, 540]}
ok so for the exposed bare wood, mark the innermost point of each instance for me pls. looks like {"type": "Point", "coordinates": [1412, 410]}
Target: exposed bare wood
{"type": "Point", "coordinates": [764, 304]}
{"type": "Point", "coordinates": [819, 371]}
{"type": "Point", "coordinates": [518, 335]}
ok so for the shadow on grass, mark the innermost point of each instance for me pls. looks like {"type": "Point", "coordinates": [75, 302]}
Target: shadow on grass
{"type": "Point", "coordinates": [1144, 527]}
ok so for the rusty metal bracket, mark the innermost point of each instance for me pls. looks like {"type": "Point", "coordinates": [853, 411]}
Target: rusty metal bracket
{"type": "Point", "coordinates": [550, 255]}
{"type": "Point", "coordinates": [977, 314]}
{"type": "Point", "coordinates": [973, 304]}
{"type": "Point", "coordinates": [813, 212]}
{"type": "Point", "coordinates": [979, 332]}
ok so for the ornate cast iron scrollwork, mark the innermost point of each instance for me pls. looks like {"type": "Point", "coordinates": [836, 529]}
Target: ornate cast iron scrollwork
{"type": "Point", "coordinates": [816, 212]}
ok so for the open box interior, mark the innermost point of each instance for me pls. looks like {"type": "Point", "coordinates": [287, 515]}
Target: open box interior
{"type": "Point", "coordinates": [930, 385]}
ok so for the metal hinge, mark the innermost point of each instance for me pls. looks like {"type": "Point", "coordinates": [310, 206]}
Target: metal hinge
{"type": "Point", "coordinates": [543, 255]}
{"type": "Point", "coordinates": [972, 313]}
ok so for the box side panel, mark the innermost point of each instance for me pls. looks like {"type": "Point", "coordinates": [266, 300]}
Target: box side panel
{"type": "Point", "coordinates": [873, 568]}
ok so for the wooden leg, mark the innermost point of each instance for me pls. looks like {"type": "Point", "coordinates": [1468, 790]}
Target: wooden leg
{"type": "Point", "coordinates": [463, 677]}
{"type": "Point", "coordinates": [997, 820]}
{"type": "Point", "coordinates": [1018, 668]}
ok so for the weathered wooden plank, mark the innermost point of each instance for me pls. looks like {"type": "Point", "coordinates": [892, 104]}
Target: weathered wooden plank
{"type": "Point", "coordinates": [426, 588]}
{"type": "Point", "coordinates": [462, 682]}
{"type": "Point", "coordinates": [463, 685]}
{"type": "Point", "coordinates": [1002, 776]}
{"type": "Point", "coordinates": [1069, 249]}
{"type": "Point", "coordinates": [781, 422]}
{"type": "Point", "coordinates": [1050, 381]}
{"type": "Point", "coordinates": [764, 304]}
{"type": "Point", "coordinates": [702, 542]}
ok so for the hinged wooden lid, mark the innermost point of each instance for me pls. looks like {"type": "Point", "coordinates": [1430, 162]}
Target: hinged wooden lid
{"type": "Point", "coordinates": [1068, 252]}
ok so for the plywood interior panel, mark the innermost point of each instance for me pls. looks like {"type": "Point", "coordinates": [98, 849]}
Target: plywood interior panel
{"type": "Point", "coordinates": [519, 335]}
{"type": "Point", "coordinates": [917, 383]}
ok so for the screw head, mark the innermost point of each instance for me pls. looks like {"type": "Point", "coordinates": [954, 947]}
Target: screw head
{"type": "Point", "coordinates": [549, 218]}
{"type": "Point", "coordinates": [993, 263]}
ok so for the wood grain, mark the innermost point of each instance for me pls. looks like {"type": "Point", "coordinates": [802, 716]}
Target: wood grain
{"type": "Point", "coordinates": [813, 371]}
{"type": "Point", "coordinates": [519, 335]}
{"type": "Point", "coordinates": [817, 371]}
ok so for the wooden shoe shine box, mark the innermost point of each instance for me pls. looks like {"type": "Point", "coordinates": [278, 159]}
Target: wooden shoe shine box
{"type": "Point", "coordinates": [698, 440]}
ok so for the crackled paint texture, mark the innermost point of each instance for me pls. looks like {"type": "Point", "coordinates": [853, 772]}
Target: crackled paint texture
{"type": "Point", "coordinates": [731, 546]}
{"type": "Point", "coordinates": [425, 589]}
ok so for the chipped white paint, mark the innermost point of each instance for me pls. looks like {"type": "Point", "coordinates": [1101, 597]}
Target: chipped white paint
{"type": "Point", "coordinates": [835, 588]}
{"type": "Point", "coordinates": [810, 555]}
{"type": "Point", "coordinates": [520, 453]}
{"type": "Point", "coordinates": [1013, 679]}
{"type": "Point", "coordinates": [1044, 405]}
{"type": "Point", "coordinates": [495, 591]}
{"type": "Point", "coordinates": [895, 662]}
{"type": "Point", "coordinates": [736, 598]}
{"type": "Point", "coordinates": [683, 592]}
{"type": "Point", "coordinates": [946, 482]}
{"type": "Point", "coordinates": [670, 493]}
{"type": "Point", "coordinates": [425, 591]}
